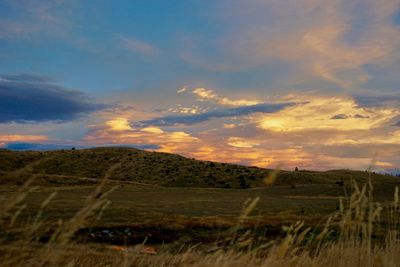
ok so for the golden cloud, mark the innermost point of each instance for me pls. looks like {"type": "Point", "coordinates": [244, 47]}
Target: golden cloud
{"type": "Point", "coordinates": [324, 113]}
{"type": "Point", "coordinates": [119, 124]}
{"type": "Point", "coordinates": [319, 132]}
{"type": "Point", "coordinates": [153, 130]}
{"type": "Point", "coordinates": [385, 138]}
{"type": "Point", "coordinates": [241, 142]}
{"type": "Point", "coordinates": [115, 132]}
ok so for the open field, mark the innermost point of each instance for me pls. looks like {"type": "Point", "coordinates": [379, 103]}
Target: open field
{"type": "Point", "coordinates": [197, 209]}
{"type": "Point", "coordinates": [182, 212]}
{"type": "Point", "coordinates": [105, 216]}
{"type": "Point", "coordinates": [193, 227]}
{"type": "Point", "coordinates": [132, 204]}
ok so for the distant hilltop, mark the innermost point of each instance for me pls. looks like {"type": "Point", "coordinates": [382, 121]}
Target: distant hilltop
{"type": "Point", "coordinates": [394, 172]}
{"type": "Point", "coordinates": [141, 167]}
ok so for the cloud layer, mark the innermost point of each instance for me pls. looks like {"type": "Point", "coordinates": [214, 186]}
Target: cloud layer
{"type": "Point", "coordinates": [319, 131]}
{"type": "Point", "coordinates": [307, 83]}
{"type": "Point", "coordinates": [214, 114]}
{"type": "Point", "coordinates": [332, 41]}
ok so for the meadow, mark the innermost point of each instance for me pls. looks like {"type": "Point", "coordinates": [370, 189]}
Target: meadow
{"type": "Point", "coordinates": [65, 216]}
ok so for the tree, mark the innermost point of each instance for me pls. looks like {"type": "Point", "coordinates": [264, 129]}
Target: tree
{"type": "Point", "coordinates": [242, 182]}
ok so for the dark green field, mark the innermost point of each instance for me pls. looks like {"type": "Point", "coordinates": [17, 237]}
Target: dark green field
{"type": "Point", "coordinates": [171, 214]}
{"type": "Point", "coordinates": [136, 204]}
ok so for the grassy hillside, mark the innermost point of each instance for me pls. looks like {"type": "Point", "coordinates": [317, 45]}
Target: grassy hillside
{"type": "Point", "coordinates": [73, 216]}
{"type": "Point", "coordinates": [153, 168]}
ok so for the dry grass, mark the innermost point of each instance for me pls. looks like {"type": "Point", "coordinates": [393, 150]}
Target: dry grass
{"type": "Point", "coordinates": [349, 237]}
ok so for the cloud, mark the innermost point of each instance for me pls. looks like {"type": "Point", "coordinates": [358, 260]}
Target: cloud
{"type": "Point", "coordinates": [339, 117]}
{"type": "Point", "coordinates": [386, 138]}
{"type": "Point", "coordinates": [149, 137]}
{"type": "Point", "coordinates": [10, 138]}
{"type": "Point", "coordinates": [119, 124]}
{"type": "Point", "coordinates": [25, 77]}
{"type": "Point", "coordinates": [153, 130]}
{"type": "Point", "coordinates": [345, 116]}
{"type": "Point", "coordinates": [207, 94]}
{"type": "Point", "coordinates": [22, 146]}
{"type": "Point", "coordinates": [138, 46]}
{"type": "Point", "coordinates": [31, 98]}
{"type": "Point", "coordinates": [302, 134]}
{"type": "Point", "coordinates": [359, 116]}
{"type": "Point", "coordinates": [333, 41]}
{"type": "Point", "coordinates": [35, 16]}
{"type": "Point", "coordinates": [186, 110]}
{"type": "Point", "coordinates": [378, 100]}
{"type": "Point", "coordinates": [340, 113]}
{"type": "Point", "coordinates": [182, 90]}
{"type": "Point", "coordinates": [229, 125]}
{"type": "Point", "coordinates": [241, 142]}
{"type": "Point", "coordinates": [219, 113]}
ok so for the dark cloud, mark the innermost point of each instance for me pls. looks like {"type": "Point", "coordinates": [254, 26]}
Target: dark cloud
{"type": "Point", "coordinates": [378, 100]}
{"type": "Point", "coordinates": [345, 116]}
{"type": "Point", "coordinates": [22, 146]}
{"type": "Point", "coordinates": [219, 113]}
{"type": "Point", "coordinates": [33, 98]}
{"type": "Point", "coordinates": [359, 116]}
{"type": "Point", "coordinates": [397, 124]}
{"type": "Point", "coordinates": [340, 117]}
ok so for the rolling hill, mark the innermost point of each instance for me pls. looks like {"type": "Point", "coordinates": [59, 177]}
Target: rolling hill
{"type": "Point", "coordinates": [153, 168]}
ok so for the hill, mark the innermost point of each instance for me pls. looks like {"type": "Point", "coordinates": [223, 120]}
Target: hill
{"type": "Point", "coordinates": [154, 168]}
{"type": "Point", "coordinates": [394, 172]}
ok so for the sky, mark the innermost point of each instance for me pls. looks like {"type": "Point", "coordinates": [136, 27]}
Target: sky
{"type": "Point", "coordinates": [297, 83]}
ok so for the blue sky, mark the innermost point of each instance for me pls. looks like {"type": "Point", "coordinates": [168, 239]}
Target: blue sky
{"type": "Point", "coordinates": [89, 38]}
{"type": "Point", "coordinates": [156, 73]}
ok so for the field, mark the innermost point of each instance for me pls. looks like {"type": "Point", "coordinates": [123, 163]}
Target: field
{"type": "Point", "coordinates": [116, 211]}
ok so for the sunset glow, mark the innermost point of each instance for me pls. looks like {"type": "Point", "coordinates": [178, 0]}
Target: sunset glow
{"type": "Point", "coordinates": [308, 84]}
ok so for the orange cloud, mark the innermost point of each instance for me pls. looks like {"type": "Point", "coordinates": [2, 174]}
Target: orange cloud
{"type": "Point", "coordinates": [319, 132]}
{"type": "Point", "coordinates": [8, 138]}
{"type": "Point", "coordinates": [241, 142]}
{"type": "Point", "coordinates": [171, 141]}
